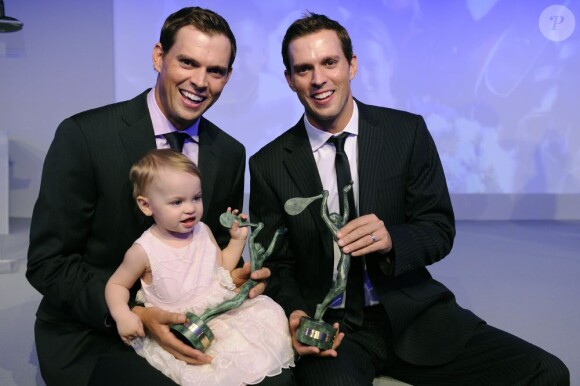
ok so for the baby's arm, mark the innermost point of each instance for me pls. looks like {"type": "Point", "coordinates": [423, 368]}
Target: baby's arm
{"type": "Point", "coordinates": [117, 294]}
{"type": "Point", "coordinates": [230, 255]}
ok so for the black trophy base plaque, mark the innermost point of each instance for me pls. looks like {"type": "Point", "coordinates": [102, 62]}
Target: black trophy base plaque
{"type": "Point", "coordinates": [315, 333]}
{"type": "Point", "coordinates": [194, 332]}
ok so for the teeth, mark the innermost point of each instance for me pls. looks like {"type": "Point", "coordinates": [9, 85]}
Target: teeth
{"type": "Point", "coordinates": [323, 95]}
{"type": "Point", "coordinates": [192, 97]}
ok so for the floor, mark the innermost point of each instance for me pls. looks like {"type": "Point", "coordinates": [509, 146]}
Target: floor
{"type": "Point", "coordinates": [520, 276]}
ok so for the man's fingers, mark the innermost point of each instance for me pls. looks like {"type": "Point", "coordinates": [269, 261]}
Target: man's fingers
{"type": "Point", "coordinates": [177, 318]}
{"type": "Point", "coordinates": [241, 275]}
{"type": "Point", "coordinates": [193, 357]}
{"type": "Point", "coordinates": [363, 235]}
{"type": "Point", "coordinates": [157, 322]}
{"type": "Point", "coordinates": [294, 320]}
{"type": "Point", "coordinates": [355, 224]}
{"type": "Point", "coordinates": [152, 316]}
{"type": "Point", "coordinates": [261, 274]}
{"type": "Point", "coordinates": [304, 350]}
{"type": "Point", "coordinates": [257, 290]}
{"type": "Point", "coordinates": [182, 351]}
{"type": "Point", "coordinates": [172, 318]}
{"type": "Point", "coordinates": [330, 353]}
{"type": "Point", "coordinates": [337, 340]}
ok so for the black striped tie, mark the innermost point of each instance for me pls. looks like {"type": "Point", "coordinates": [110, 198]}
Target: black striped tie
{"type": "Point", "coordinates": [176, 139]}
{"type": "Point", "coordinates": [354, 305]}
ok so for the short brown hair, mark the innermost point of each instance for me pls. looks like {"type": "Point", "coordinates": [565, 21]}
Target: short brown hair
{"type": "Point", "coordinates": [309, 24]}
{"type": "Point", "coordinates": [204, 20]}
{"type": "Point", "coordinates": [144, 171]}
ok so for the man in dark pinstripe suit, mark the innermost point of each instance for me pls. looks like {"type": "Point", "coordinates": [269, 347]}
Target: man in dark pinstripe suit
{"type": "Point", "coordinates": [85, 218]}
{"type": "Point", "coordinates": [412, 327]}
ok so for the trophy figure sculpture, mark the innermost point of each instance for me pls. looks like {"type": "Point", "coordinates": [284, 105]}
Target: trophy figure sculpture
{"type": "Point", "coordinates": [315, 331]}
{"type": "Point", "coordinates": [195, 332]}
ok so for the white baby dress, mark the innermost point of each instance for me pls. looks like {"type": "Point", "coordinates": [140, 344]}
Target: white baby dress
{"type": "Point", "coordinates": [251, 341]}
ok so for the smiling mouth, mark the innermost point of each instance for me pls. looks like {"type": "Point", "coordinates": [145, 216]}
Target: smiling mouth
{"type": "Point", "coordinates": [192, 97]}
{"type": "Point", "coordinates": [188, 221]}
{"type": "Point", "coordinates": [322, 96]}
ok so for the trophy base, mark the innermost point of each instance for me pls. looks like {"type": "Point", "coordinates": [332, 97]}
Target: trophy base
{"type": "Point", "coordinates": [315, 333]}
{"type": "Point", "coordinates": [194, 332]}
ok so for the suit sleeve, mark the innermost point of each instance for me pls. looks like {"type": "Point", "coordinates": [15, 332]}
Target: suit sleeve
{"type": "Point", "coordinates": [61, 228]}
{"type": "Point", "coordinates": [426, 235]}
{"type": "Point", "coordinates": [265, 206]}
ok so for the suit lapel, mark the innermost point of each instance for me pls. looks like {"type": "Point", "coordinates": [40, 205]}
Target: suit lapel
{"type": "Point", "coordinates": [138, 136]}
{"type": "Point", "coordinates": [209, 154]}
{"type": "Point", "coordinates": [370, 148]}
{"type": "Point", "coordinates": [300, 164]}
{"type": "Point", "coordinates": [301, 167]}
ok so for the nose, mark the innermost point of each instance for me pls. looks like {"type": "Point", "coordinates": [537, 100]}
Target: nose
{"type": "Point", "coordinates": [198, 78]}
{"type": "Point", "coordinates": [189, 207]}
{"type": "Point", "coordinates": [318, 78]}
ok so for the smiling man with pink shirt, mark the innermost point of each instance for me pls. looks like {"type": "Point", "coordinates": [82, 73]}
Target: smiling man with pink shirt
{"type": "Point", "coordinates": [85, 218]}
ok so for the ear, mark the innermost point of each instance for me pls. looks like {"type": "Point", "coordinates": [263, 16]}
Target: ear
{"type": "Point", "coordinates": [143, 204]}
{"type": "Point", "coordinates": [289, 80]}
{"type": "Point", "coordinates": [353, 67]}
{"type": "Point", "coordinates": [158, 57]}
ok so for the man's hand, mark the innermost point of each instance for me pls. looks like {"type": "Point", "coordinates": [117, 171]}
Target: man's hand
{"type": "Point", "coordinates": [241, 275]}
{"type": "Point", "coordinates": [302, 349]}
{"type": "Point", "coordinates": [157, 322]}
{"type": "Point", "coordinates": [364, 235]}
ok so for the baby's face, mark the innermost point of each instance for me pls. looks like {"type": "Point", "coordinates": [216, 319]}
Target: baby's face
{"type": "Point", "coordinates": [174, 201]}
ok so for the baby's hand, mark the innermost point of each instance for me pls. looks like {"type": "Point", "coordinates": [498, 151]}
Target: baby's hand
{"type": "Point", "coordinates": [130, 327]}
{"type": "Point", "coordinates": [237, 232]}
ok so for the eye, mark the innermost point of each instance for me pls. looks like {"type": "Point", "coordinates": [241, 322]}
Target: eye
{"type": "Point", "coordinates": [217, 72]}
{"type": "Point", "coordinates": [330, 62]}
{"type": "Point", "coordinates": [197, 198]}
{"type": "Point", "coordinates": [186, 62]}
{"type": "Point", "coordinates": [301, 70]}
{"type": "Point", "coordinates": [176, 202]}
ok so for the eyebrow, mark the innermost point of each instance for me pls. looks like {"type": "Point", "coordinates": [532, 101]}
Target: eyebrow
{"type": "Point", "coordinates": [197, 63]}
{"type": "Point", "coordinates": [331, 57]}
{"type": "Point", "coordinates": [323, 60]}
{"type": "Point", "coordinates": [217, 68]}
{"type": "Point", "coordinates": [301, 66]}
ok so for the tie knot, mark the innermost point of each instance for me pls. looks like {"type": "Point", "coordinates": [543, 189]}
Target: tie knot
{"type": "Point", "coordinates": [176, 139]}
{"type": "Point", "coordinates": [338, 141]}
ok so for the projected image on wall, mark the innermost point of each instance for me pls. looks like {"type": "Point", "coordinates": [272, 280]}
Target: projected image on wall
{"type": "Point", "coordinates": [495, 80]}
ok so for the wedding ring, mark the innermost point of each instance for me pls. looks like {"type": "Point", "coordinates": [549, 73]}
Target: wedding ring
{"type": "Point", "coordinates": [373, 238]}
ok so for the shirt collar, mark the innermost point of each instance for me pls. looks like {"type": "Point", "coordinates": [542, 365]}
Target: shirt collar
{"type": "Point", "coordinates": [161, 124]}
{"type": "Point", "coordinates": [319, 137]}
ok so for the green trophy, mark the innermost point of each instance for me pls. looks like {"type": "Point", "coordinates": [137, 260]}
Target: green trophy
{"type": "Point", "coordinates": [195, 332]}
{"type": "Point", "coordinates": [315, 331]}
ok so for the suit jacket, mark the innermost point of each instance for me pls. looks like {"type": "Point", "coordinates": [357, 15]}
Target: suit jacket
{"type": "Point", "coordinates": [401, 180]}
{"type": "Point", "coordinates": [85, 219]}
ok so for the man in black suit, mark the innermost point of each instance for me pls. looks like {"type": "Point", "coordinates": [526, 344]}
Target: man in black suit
{"type": "Point", "coordinates": [85, 217]}
{"type": "Point", "coordinates": [411, 326]}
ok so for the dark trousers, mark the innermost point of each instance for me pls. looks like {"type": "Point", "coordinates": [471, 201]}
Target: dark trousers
{"type": "Point", "coordinates": [121, 366]}
{"type": "Point", "coordinates": [491, 357]}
